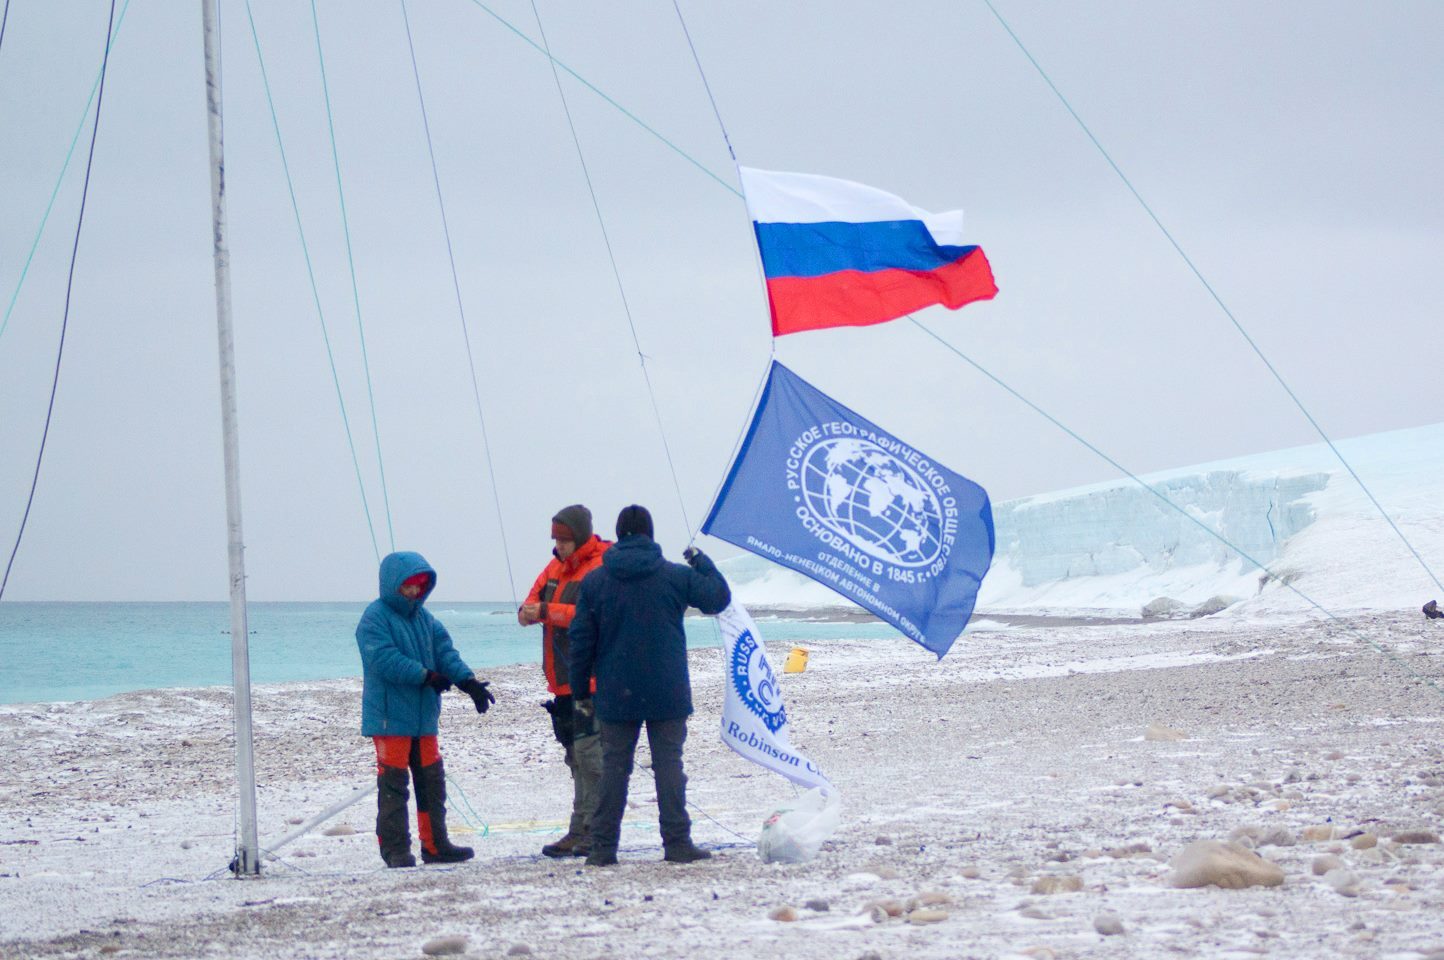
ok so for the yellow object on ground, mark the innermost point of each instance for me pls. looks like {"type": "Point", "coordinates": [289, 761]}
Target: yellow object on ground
{"type": "Point", "coordinates": [796, 661]}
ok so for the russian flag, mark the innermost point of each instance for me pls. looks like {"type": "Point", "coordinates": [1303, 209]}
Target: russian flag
{"type": "Point", "coordinates": [842, 254]}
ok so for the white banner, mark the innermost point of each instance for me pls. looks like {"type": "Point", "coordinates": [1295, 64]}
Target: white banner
{"type": "Point", "coordinates": [754, 722]}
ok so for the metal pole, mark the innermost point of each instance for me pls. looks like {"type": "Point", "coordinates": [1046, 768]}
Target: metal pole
{"type": "Point", "coordinates": [248, 858]}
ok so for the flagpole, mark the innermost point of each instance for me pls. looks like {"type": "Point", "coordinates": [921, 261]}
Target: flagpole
{"type": "Point", "coordinates": [248, 860]}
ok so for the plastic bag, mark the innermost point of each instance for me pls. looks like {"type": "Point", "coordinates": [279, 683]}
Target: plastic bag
{"type": "Point", "coordinates": [794, 833]}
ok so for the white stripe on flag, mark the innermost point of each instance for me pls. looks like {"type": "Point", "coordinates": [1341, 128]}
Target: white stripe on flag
{"type": "Point", "coordinates": [754, 722]}
{"type": "Point", "coordinates": [777, 197]}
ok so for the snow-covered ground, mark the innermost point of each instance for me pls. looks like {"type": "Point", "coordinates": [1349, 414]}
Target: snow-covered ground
{"type": "Point", "coordinates": [967, 785]}
{"type": "Point", "coordinates": [1112, 548]}
{"type": "Point", "coordinates": [1024, 796]}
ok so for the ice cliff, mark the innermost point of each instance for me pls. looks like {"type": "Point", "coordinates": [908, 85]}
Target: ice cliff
{"type": "Point", "coordinates": [1114, 547]}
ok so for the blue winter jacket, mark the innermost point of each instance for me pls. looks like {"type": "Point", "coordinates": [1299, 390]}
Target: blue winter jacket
{"type": "Point", "coordinates": [628, 630]}
{"type": "Point", "coordinates": [399, 642]}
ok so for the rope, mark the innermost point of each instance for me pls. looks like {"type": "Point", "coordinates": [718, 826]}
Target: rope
{"type": "Point", "coordinates": [460, 308]}
{"type": "Point", "coordinates": [315, 292]}
{"type": "Point", "coordinates": [69, 287]}
{"type": "Point", "coordinates": [616, 273]}
{"type": "Point", "coordinates": [1214, 294]}
{"type": "Point", "coordinates": [705, 85]}
{"type": "Point", "coordinates": [1175, 507]}
{"type": "Point", "coordinates": [3, 21]}
{"type": "Point", "coordinates": [756, 259]}
{"type": "Point", "coordinates": [351, 265]}
{"type": "Point", "coordinates": [588, 84]}
{"type": "Point", "coordinates": [59, 181]}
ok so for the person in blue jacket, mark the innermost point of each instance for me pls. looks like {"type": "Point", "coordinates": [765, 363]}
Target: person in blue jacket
{"type": "Point", "coordinates": [408, 661]}
{"type": "Point", "coordinates": [628, 633]}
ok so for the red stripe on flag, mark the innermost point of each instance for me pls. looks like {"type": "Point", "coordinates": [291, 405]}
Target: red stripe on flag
{"type": "Point", "coordinates": [851, 298]}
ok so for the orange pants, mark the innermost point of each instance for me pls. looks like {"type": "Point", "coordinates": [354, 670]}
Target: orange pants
{"type": "Point", "coordinates": [417, 753]}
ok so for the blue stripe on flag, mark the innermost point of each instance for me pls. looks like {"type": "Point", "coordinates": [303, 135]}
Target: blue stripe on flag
{"type": "Point", "coordinates": [816, 249]}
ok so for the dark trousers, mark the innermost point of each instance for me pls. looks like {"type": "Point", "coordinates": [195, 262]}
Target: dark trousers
{"type": "Point", "coordinates": [619, 745]}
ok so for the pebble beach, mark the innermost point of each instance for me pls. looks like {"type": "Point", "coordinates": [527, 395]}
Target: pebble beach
{"type": "Point", "coordinates": [1219, 787]}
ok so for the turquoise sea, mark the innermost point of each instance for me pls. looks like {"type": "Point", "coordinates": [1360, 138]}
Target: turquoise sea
{"type": "Point", "coordinates": [85, 651]}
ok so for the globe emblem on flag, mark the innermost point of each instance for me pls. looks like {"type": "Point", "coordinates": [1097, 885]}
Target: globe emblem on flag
{"type": "Point", "coordinates": [755, 683]}
{"type": "Point", "coordinates": [872, 499]}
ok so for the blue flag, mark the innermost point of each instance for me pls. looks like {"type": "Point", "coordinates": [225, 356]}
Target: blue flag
{"type": "Point", "coordinates": [823, 491]}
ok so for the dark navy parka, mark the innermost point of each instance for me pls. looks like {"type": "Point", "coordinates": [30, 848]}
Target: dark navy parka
{"type": "Point", "coordinates": [399, 642]}
{"type": "Point", "coordinates": [628, 630]}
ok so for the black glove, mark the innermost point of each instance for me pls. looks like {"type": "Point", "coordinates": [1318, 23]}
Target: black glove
{"type": "Point", "coordinates": [437, 682]}
{"type": "Point", "coordinates": [561, 713]}
{"type": "Point", "coordinates": [693, 556]}
{"type": "Point", "coordinates": [476, 690]}
{"type": "Point", "coordinates": [584, 718]}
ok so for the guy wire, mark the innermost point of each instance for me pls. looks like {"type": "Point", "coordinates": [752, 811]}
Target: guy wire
{"type": "Point", "coordinates": [460, 308]}
{"type": "Point", "coordinates": [1178, 248]}
{"type": "Point", "coordinates": [69, 287]}
{"type": "Point", "coordinates": [616, 273]}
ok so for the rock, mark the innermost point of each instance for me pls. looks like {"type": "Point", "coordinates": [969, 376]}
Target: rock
{"type": "Point", "coordinates": [970, 873]}
{"type": "Point", "coordinates": [339, 830]}
{"type": "Point", "coordinates": [1132, 850]}
{"type": "Point", "coordinates": [1213, 605]}
{"type": "Point", "coordinates": [1179, 804]}
{"type": "Point", "coordinates": [518, 950]}
{"type": "Point", "coordinates": [1344, 883]}
{"type": "Point", "coordinates": [1158, 732]}
{"type": "Point", "coordinates": [1415, 836]}
{"type": "Point", "coordinates": [1324, 864]}
{"type": "Point", "coordinates": [444, 946]}
{"type": "Point", "coordinates": [820, 905]}
{"type": "Point", "coordinates": [1218, 792]}
{"type": "Point", "coordinates": [186, 844]}
{"type": "Point", "coordinates": [1033, 913]}
{"type": "Point", "coordinates": [1276, 837]}
{"type": "Point", "coordinates": [890, 908]}
{"type": "Point", "coordinates": [1212, 863]}
{"type": "Point", "coordinates": [1058, 884]}
{"type": "Point", "coordinates": [1333, 755]}
{"type": "Point", "coordinates": [871, 955]}
{"type": "Point", "coordinates": [295, 821]}
{"type": "Point", "coordinates": [932, 898]}
{"type": "Point", "coordinates": [1162, 608]}
{"type": "Point", "coordinates": [1108, 924]}
{"type": "Point", "coordinates": [1364, 841]}
{"type": "Point", "coordinates": [1317, 833]}
{"type": "Point", "coordinates": [883, 841]}
{"type": "Point", "coordinates": [783, 914]}
{"type": "Point", "coordinates": [927, 915]}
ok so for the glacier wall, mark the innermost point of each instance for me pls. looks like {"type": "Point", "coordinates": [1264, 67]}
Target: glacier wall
{"type": "Point", "coordinates": [1120, 529]}
{"type": "Point", "coordinates": [1116, 547]}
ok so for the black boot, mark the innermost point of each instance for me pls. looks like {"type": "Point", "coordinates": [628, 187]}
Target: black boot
{"type": "Point", "coordinates": [431, 812]}
{"type": "Point", "coordinates": [392, 834]}
{"type": "Point", "coordinates": [686, 852]}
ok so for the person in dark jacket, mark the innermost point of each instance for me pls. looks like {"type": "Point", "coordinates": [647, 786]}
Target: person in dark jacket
{"type": "Point", "coordinates": [627, 632]}
{"type": "Point", "coordinates": [408, 661]}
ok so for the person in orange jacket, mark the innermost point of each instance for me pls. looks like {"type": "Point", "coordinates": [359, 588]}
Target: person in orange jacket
{"type": "Point", "coordinates": [552, 603]}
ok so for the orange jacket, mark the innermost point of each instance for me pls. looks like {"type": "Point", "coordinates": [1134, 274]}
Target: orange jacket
{"type": "Point", "coordinates": [556, 590]}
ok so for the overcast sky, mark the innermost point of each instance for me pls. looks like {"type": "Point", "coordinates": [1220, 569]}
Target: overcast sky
{"type": "Point", "coordinates": [1292, 149]}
